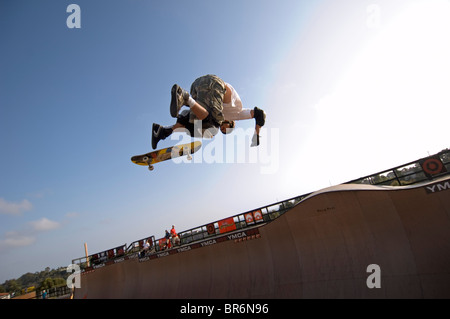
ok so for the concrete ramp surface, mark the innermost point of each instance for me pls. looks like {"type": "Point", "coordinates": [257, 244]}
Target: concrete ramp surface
{"type": "Point", "coordinates": [321, 248]}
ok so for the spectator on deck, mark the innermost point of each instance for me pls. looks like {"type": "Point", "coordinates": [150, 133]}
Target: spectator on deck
{"type": "Point", "coordinates": [174, 235]}
{"type": "Point", "coordinates": [167, 237]}
{"type": "Point", "coordinates": [144, 249]}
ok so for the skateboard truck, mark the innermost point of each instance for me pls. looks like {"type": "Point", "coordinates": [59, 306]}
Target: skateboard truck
{"type": "Point", "coordinates": [187, 151]}
{"type": "Point", "coordinates": [148, 160]}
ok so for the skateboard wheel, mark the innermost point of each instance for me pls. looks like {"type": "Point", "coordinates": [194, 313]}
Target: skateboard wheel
{"type": "Point", "coordinates": [145, 159]}
{"type": "Point", "coordinates": [189, 157]}
{"type": "Point", "coordinates": [151, 168]}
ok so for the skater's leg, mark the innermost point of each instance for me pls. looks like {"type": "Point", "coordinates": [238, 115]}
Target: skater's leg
{"type": "Point", "coordinates": [200, 112]}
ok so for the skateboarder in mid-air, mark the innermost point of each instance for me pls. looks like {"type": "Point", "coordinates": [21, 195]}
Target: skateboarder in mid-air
{"type": "Point", "coordinates": [213, 102]}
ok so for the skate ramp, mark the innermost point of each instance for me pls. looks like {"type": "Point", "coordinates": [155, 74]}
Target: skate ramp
{"type": "Point", "coordinates": [321, 248]}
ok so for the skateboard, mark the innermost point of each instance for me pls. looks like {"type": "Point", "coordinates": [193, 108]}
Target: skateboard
{"type": "Point", "coordinates": [165, 154]}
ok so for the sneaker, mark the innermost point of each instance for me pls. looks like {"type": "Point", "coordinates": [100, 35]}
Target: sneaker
{"type": "Point", "coordinates": [156, 133]}
{"type": "Point", "coordinates": [260, 116]}
{"type": "Point", "coordinates": [179, 98]}
{"type": "Point", "coordinates": [159, 133]}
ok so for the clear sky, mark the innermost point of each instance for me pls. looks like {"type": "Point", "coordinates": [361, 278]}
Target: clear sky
{"type": "Point", "coordinates": [350, 88]}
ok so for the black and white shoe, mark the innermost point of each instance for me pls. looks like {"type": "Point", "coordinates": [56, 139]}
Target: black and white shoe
{"type": "Point", "coordinates": [159, 133]}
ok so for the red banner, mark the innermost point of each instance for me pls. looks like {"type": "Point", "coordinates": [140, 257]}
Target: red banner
{"type": "Point", "coordinates": [258, 215]}
{"type": "Point", "coordinates": [226, 225]}
{"type": "Point", "coordinates": [249, 218]}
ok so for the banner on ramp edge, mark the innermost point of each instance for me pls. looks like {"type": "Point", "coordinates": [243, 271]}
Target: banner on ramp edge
{"type": "Point", "coordinates": [253, 217]}
{"type": "Point", "coordinates": [226, 225]}
{"type": "Point", "coordinates": [432, 166]}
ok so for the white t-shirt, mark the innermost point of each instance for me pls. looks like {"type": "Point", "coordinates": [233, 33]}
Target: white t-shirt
{"type": "Point", "coordinates": [233, 111]}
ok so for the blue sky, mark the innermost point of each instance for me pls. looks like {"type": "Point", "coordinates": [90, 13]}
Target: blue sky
{"type": "Point", "coordinates": [349, 87]}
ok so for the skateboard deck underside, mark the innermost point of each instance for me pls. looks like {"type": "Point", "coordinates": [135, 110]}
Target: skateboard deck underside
{"type": "Point", "coordinates": [166, 154]}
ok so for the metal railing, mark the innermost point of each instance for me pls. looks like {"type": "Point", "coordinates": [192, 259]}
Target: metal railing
{"type": "Point", "coordinates": [57, 292]}
{"type": "Point", "coordinates": [411, 173]}
{"type": "Point", "coordinates": [241, 221]}
{"type": "Point", "coordinates": [237, 222]}
{"type": "Point", "coordinates": [101, 257]}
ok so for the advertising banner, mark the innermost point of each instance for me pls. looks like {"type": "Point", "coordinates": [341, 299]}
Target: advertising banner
{"type": "Point", "coordinates": [226, 225]}
{"type": "Point", "coordinates": [258, 215]}
{"type": "Point", "coordinates": [255, 216]}
{"type": "Point", "coordinates": [211, 229]}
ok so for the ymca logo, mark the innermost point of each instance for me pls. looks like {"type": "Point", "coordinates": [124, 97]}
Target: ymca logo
{"type": "Point", "coordinates": [437, 187]}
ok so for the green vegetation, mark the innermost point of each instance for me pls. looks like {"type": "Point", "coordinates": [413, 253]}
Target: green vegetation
{"type": "Point", "coordinates": [28, 282]}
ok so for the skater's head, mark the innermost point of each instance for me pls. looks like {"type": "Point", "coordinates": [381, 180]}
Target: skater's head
{"type": "Point", "coordinates": [227, 127]}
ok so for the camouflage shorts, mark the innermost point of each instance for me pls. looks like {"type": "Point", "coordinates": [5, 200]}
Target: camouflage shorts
{"type": "Point", "coordinates": [208, 91]}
